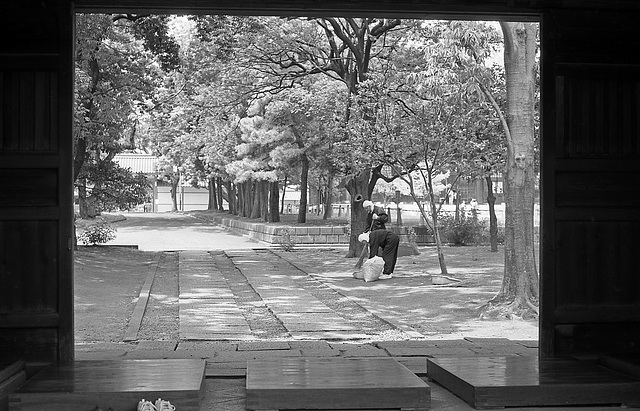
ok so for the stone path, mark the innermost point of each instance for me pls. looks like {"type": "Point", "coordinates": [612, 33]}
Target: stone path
{"type": "Point", "coordinates": [208, 309]}
{"type": "Point", "coordinates": [302, 314]}
{"type": "Point", "coordinates": [255, 294]}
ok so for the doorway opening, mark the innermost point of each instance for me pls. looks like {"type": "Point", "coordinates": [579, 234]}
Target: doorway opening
{"type": "Point", "coordinates": [171, 112]}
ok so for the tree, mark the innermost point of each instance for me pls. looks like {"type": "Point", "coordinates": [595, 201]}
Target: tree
{"type": "Point", "coordinates": [419, 132]}
{"type": "Point", "coordinates": [115, 76]}
{"type": "Point", "coordinates": [519, 293]}
{"type": "Point", "coordinates": [345, 50]}
{"type": "Point", "coordinates": [468, 48]}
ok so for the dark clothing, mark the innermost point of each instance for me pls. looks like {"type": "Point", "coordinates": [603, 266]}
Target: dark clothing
{"type": "Point", "coordinates": [389, 243]}
{"type": "Point", "coordinates": [378, 224]}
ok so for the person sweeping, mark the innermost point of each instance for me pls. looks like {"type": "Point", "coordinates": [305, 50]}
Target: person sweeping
{"type": "Point", "coordinates": [380, 237]}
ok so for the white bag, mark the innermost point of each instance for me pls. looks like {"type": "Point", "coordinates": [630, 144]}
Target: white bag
{"type": "Point", "coordinates": [372, 268]}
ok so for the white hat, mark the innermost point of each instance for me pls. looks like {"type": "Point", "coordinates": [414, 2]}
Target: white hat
{"type": "Point", "coordinates": [367, 203]}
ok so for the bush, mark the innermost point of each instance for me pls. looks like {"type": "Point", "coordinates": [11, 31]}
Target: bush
{"type": "Point", "coordinates": [467, 231]}
{"type": "Point", "coordinates": [286, 239]}
{"type": "Point", "coordinates": [98, 233]}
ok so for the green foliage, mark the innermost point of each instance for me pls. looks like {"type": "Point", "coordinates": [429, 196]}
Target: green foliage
{"type": "Point", "coordinates": [153, 31]}
{"type": "Point", "coordinates": [286, 239]}
{"type": "Point", "coordinates": [113, 187]}
{"type": "Point", "coordinates": [468, 230]}
{"type": "Point", "coordinates": [98, 233]}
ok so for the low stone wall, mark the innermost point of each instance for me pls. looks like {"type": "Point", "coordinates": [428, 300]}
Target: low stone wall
{"type": "Point", "coordinates": [299, 235]}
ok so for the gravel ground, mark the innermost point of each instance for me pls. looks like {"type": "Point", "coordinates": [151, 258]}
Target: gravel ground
{"type": "Point", "coordinates": [160, 321]}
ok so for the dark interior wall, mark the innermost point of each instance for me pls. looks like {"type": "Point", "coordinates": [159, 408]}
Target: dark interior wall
{"type": "Point", "coordinates": [591, 170]}
{"type": "Point", "coordinates": [36, 213]}
{"type": "Point", "coordinates": [590, 247]}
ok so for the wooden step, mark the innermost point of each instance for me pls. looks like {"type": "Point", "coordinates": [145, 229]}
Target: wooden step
{"type": "Point", "coordinates": [626, 363]}
{"type": "Point", "coordinates": [12, 376]}
{"type": "Point", "coordinates": [333, 383]}
{"type": "Point", "coordinates": [119, 384]}
{"type": "Point", "coordinates": [515, 381]}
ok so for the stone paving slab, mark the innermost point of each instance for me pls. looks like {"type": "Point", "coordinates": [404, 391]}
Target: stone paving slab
{"type": "Point", "coordinates": [328, 335]}
{"type": "Point", "coordinates": [235, 356]}
{"type": "Point", "coordinates": [213, 346]}
{"type": "Point", "coordinates": [317, 326]}
{"type": "Point", "coordinates": [319, 352]}
{"type": "Point", "coordinates": [264, 345]}
{"type": "Point", "coordinates": [207, 307]}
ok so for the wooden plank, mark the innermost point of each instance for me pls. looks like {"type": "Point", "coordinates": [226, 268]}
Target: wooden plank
{"type": "Point", "coordinates": [514, 381]}
{"type": "Point", "coordinates": [12, 383]}
{"type": "Point", "coordinates": [333, 383]}
{"type": "Point", "coordinates": [131, 333]}
{"type": "Point", "coordinates": [83, 385]}
{"type": "Point", "coordinates": [626, 363]}
{"type": "Point", "coordinates": [10, 370]}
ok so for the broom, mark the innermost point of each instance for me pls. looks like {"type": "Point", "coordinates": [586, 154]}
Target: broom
{"type": "Point", "coordinates": [365, 250]}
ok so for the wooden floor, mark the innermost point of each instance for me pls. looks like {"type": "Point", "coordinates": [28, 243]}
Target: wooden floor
{"type": "Point", "coordinates": [334, 383]}
{"type": "Point", "coordinates": [84, 385]}
{"type": "Point", "coordinates": [490, 382]}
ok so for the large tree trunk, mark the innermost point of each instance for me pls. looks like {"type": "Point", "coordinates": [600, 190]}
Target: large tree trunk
{"type": "Point", "coordinates": [84, 208]}
{"type": "Point", "coordinates": [493, 220]}
{"type": "Point", "coordinates": [255, 196]}
{"type": "Point", "coordinates": [358, 188]}
{"type": "Point", "coordinates": [519, 293]}
{"type": "Point", "coordinates": [263, 188]}
{"type": "Point", "coordinates": [304, 187]}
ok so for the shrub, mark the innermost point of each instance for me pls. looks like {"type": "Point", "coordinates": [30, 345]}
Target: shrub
{"type": "Point", "coordinates": [469, 230]}
{"type": "Point", "coordinates": [286, 239]}
{"type": "Point", "coordinates": [98, 233]}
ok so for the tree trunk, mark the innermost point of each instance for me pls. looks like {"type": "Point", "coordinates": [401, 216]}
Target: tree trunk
{"type": "Point", "coordinates": [212, 194]}
{"type": "Point", "coordinates": [255, 196]}
{"type": "Point", "coordinates": [493, 220]}
{"type": "Point", "coordinates": [274, 200]}
{"type": "Point", "coordinates": [232, 198]}
{"type": "Point", "coordinates": [328, 199]}
{"type": "Point", "coordinates": [304, 186]}
{"type": "Point", "coordinates": [436, 229]}
{"type": "Point", "coordinates": [519, 292]}
{"type": "Point", "coordinates": [83, 207]}
{"type": "Point", "coordinates": [241, 210]}
{"type": "Point", "coordinates": [358, 188]}
{"type": "Point", "coordinates": [175, 179]}
{"type": "Point", "coordinates": [284, 190]}
{"type": "Point", "coordinates": [220, 205]}
{"type": "Point", "coordinates": [263, 187]}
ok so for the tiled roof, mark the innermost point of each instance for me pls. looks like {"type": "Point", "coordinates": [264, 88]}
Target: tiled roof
{"type": "Point", "coordinates": [138, 163]}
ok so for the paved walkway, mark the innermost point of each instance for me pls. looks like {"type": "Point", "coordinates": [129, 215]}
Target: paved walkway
{"type": "Point", "coordinates": [213, 306]}
{"type": "Point", "coordinates": [307, 308]}
{"type": "Point", "coordinates": [208, 309]}
{"type": "Point", "coordinates": [302, 314]}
